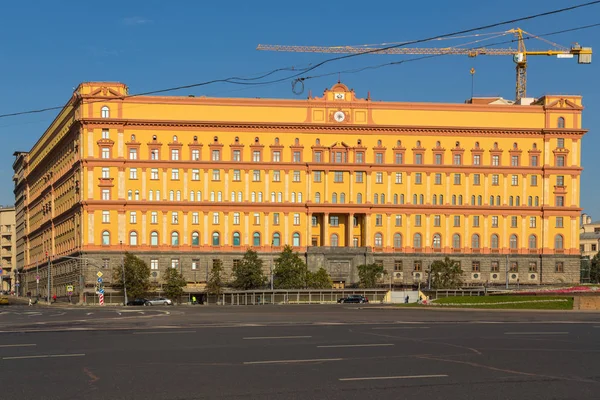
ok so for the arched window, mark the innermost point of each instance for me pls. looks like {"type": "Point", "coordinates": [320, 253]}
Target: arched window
{"type": "Point", "coordinates": [513, 241]}
{"type": "Point", "coordinates": [441, 199]}
{"type": "Point", "coordinates": [260, 197]}
{"type": "Point", "coordinates": [174, 239]}
{"type": "Point", "coordinates": [317, 197]}
{"type": "Point", "coordinates": [437, 241]}
{"type": "Point", "coordinates": [397, 240]}
{"type": "Point", "coordinates": [558, 242]}
{"type": "Point", "coordinates": [279, 197]}
{"type": "Point", "coordinates": [212, 196]}
{"type": "Point", "coordinates": [453, 199]}
{"type": "Point", "coordinates": [415, 199]}
{"type": "Point", "coordinates": [296, 239]}
{"type": "Point", "coordinates": [195, 239]}
{"type": "Point", "coordinates": [105, 112]}
{"type": "Point", "coordinates": [491, 200]}
{"type": "Point", "coordinates": [530, 201]}
{"type": "Point", "coordinates": [475, 241]}
{"type": "Point", "coordinates": [473, 200]}
{"type": "Point", "coordinates": [376, 198]}
{"type": "Point", "coordinates": [560, 123]}
{"type": "Point", "coordinates": [498, 202]}
{"type": "Point", "coordinates": [537, 201]}
{"type": "Point", "coordinates": [198, 196]}
{"type": "Point", "coordinates": [256, 239]}
{"type": "Point", "coordinates": [359, 198]}
{"type": "Point", "coordinates": [382, 198]}
{"type": "Point", "coordinates": [479, 200]}
{"type": "Point", "coordinates": [299, 198]}
{"type": "Point", "coordinates": [236, 239]}
{"type": "Point", "coordinates": [273, 197]}
{"type": "Point", "coordinates": [518, 201]}
{"type": "Point", "coordinates": [495, 240]}
{"type": "Point", "coordinates": [334, 240]}
{"type": "Point", "coordinates": [334, 198]}
{"type": "Point", "coordinates": [153, 238]}
{"type": "Point", "coordinates": [510, 201]}
{"type": "Point", "coordinates": [532, 242]}
{"type": "Point", "coordinates": [219, 196]}
{"type": "Point", "coordinates": [137, 195]}
{"type": "Point", "coordinates": [171, 195]}
{"type": "Point", "coordinates": [253, 197]}
{"type": "Point", "coordinates": [460, 199]}
{"type": "Point", "coordinates": [293, 197]}
{"type": "Point", "coordinates": [130, 195]}
{"type": "Point", "coordinates": [342, 197]}
{"type": "Point", "coordinates": [150, 195]}
{"type": "Point", "coordinates": [434, 200]}
{"type": "Point", "coordinates": [417, 241]}
{"type": "Point", "coordinates": [106, 238]}
{"type": "Point", "coordinates": [421, 199]}
{"type": "Point", "coordinates": [276, 239]}
{"type": "Point", "coordinates": [456, 241]}
{"type": "Point", "coordinates": [216, 239]}
{"type": "Point", "coordinates": [133, 238]}
{"type": "Point", "coordinates": [378, 240]}
{"type": "Point", "coordinates": [240, 197]}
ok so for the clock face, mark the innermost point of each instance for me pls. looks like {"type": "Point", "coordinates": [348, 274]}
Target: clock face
{"type": "Point", "coordinates": [339, 116]}
{"type": "Point", "coordinates": [339, 96]}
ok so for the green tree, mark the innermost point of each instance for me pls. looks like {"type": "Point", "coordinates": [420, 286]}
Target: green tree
{"type": "Point", "coordinates": [369, 273]}
{"type": "Point", "coordinates": [446, 274]}
{"type": "Point", "coordinates": [319, 280]}
{"type": "Point", "coordinates": [248, 273]}
{"type": "Point", "coordinates": [174, 284]}
{"type": "Point", "coordinates": [290, 271]}
{"type": "Point", "coordinates": [216, 282]}
{"type": "Point", "coordinates": [137, 276]}
{"type": "Point", "coordinates": [595, 269]}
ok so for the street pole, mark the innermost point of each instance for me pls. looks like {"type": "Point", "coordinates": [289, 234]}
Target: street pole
{"type": "Point", "coordinates": [49, 267]}
{"type": "Point", "coordinates": [37, 279]}
{"type": "Point", "coordinates": [123, 269]}
{"type": "Point", "coordinates": [82, 279]}
{"type": "Point", "coordinates": [271, 266]}
{"type": "Point", "coordinates": [507, 271]}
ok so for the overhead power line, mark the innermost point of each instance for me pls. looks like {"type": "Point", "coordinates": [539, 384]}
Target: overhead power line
{"type": "Point", "coordinates": [252, 81]}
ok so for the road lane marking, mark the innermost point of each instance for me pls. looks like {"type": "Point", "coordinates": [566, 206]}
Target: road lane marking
{"type": "Point", "coordinates": [401, 327]}
{"type": "Point", "coordinates": [276, 337]}
{"type": "Point", "coordinates": [375, 378]}
{"type": "Point", "coordinates": [536, 333]}
{"type": "Point", "coordinates": [357, 345]}
{"type": "Point", "coordinates": [292, 361]}
{"type": "Point", "coordinates": [44, 356]}
{"type": "Point", "coordinates": [161, 332]}
{"type": "Point", "coordinates": [18, 345]}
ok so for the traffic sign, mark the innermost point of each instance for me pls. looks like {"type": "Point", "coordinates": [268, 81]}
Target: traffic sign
{"type": "Point", "coordinates": [0, 270]}
{"type": "Point", "coordinates": [101, 291]}
{"type": "Point", "coordinates": [99, 280]}
{"type": "Point", "coordinates": [99, 274]}
{"type": "Point", "coordinates": [69, 288]}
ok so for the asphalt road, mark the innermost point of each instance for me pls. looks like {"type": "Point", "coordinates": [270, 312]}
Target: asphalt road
{"type": "Point", "coordinates": [297, 352]}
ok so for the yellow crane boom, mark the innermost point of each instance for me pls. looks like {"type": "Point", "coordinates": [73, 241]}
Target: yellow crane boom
{"type": "Point", "coordinates": [520, 54]}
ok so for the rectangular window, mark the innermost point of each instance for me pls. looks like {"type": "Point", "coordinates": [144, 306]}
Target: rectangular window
{"type": "Point", "coordinates": [275, 218]}
{"type": "Point", "coordinates": [476, 159]}
{"type": "Point", "coordinates": [495, 180]}
{"type": "Point", "coordinates": [378, 220]}
{"type": "Point", "coordinates": [296, 219]}
{"type": "Point", "coordinates": [105, 134]}
{"type": "Point", "coordinates": [513, 221]}
{"type": "Point", "coordinates": [338, 176]}
{"type": "Point", "coordinates": [495, 160]}
{"type": "Point", "coordinates": [105, 194]}
{"type": "Point", "coordinates": [297, 156]}
{"type": "Point", "coordinates": [133, 217]}
{"type": "Point", "coordinates": [379, 177]}
{"type": "Point", "coordinates": [276, 176]}
{"type": "Point", "coordinates": [256, 219]}
{"type": "Point", "coordinates": [397, 265]}
{"type": "Point", "coordinates": [560, 143]}
{"type": "Point", "coordinates": [533, 180]}
{"type": "Point", "coordinates": [256, 156]}
{"type": "Point", "coordinates": [418, 178]}
{"type": "Point", "coordinates": [514, 161]}
{"type": "Point", "coordinates": [360, 157]}
{"type": "Point", "coordinates": [457, 220]}
{"type": "Point", "coordinates": [419, 159]}
{"type": "Point", "coordinates": [514, 266]}
{"type": "Point", "coordinates": [175, 217]}
{"type": "Point", "coordinates": [317, 176]}
{"type": "Point", "coordinates": [105, 173]}
{"type": "Point", "coordinates": [133, 154]}
{"type": "Point", "coordinates": [437, 220]}
{"type": "Point", "coordinates": [475, 266]}
{"type": "Point", "coordinates": [276, 156]}
{"type": "Point", "coordinates": [215, 218]}
{"type": "Point", "coordinates": [514, 180]}
{"type": "Point", "coordinates": [105, 217]}
{"type": "Point", "coordinates": [398, 220]}
{"type": "Point", "coordinates": [334, 220]}
{"type": "Point", "coordinates": [495, 266]}
{"type": "Point", "coordinates": [154, 217]}
{"type": "Point", "coordinates": [560, 161]}
{"type": "Point", "coordinates": [438, 159]}
{"type": "Point", "coordinates": [195, 174]}
{"type": "Point", "coordinates": [560, 180]}
{"type": "Point", "coordinates": [154, 154]}
{"type": "Point", "coordinates": [560, 201]}
{"type": "Point", "coordinates": [314, 221]}
{"type": "Point", "coordinates": [398, 158]}
{"type": "Point", "coordinates": [398, 177]}
{"type": "Point", "coordinates": [175, 263]}
{"type": "Point", "coordinates": [494, 221]}
{"type": "Point", "coordinates": [534, 161]}
{"type": "Point", "coordinates": [133, 173]}
{"type": "Point", "coordinates": [236, 218]}
{"type": "Point", "coordinates": [417, 220]}
{"type": "Point", "coordinates": [532, 266]}
{"type": "Point", "coordinates": [359, 177]}
{"type": "Point", "coordinates": [438, 179]}
{"type": "Point", "coordinates": [196, 154]}
{"type": "Point", "coordinates": [195, 263]}
{"type": "Point", "coordinates": [476, 179]}
{"type": "Point", "coordinates": [559, 222]}
{"type": "Point", "coordinates": [378, 158]}
{"type": "Point", "coordinates": [175, 174]}
{"type": "Point", "coordinates": [175, 154]}
{"type": "Point", "coordinates": [560, 266]}
{"type": "Point", "coordinates": [532, 222]}
{"type": "Point", "coordinates": [296, 176]}
{"type": "Point", "coordinates": [457, 159]}
{"type": "Point", "coordinates": [216, 175]}
{"type": "Point", "coordinates": [418, 265]}
{"type": "Point", "coordinates": [475, 221]}
{"type": "Point", "coordinates": [195, 218]}
{"type": "Point", "coordinates": [457, 179]}
{"type": "Point", "coordinates": [154, 174]}
{"type": "Point", "coordinates": [105, 152]}
{"type": "Point", "coordinates": [154, 263]}
{"type": "Point", "coordinates": [216, 155]}
{"type": "Point", "coordinates": [256, 175]}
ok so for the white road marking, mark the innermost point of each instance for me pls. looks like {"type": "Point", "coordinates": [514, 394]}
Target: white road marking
{"type": "Point", "coordinates": [18, 345]}
{"type": "Point", "coordinates": [374, 378]}
{"type": "Point", "coordinates": [44, 356]}
{"type": "Point", "coordinates": [536, 333]}
{"type": "Point", "coordinates": [161, 332]}
{"type": "Point", "coordinates": [357, 345]}
{"type": "Point", "coordinates": [292, 361]}
{"type": "Point", "coordinates": [90, 313]}
{"type": "Point", "coordinates": [276, 337]}
{"type": "Point", "coordinates": [402, 327]}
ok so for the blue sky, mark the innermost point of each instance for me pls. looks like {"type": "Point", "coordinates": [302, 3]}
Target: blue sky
{"type": "Point", "coordinates": [48, 48]}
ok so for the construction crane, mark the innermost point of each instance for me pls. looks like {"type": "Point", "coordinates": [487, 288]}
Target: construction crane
{"type": "Point", "coordinates": [520, 54]}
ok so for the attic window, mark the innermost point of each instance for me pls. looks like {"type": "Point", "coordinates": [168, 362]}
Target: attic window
{"type": "Point", "coordinates": [105, 112]}
{"type": "Point", "coordinates": [318, 141]}
{"type": "Point", "coordinates": [515, 146]}
{"type": "Point", "coordinates": [237, 139]}
{"type": "Point", "coordinates": [561, 122]}
{"type": "Point", "coordinates": [133, 138]}
{"type": "Point", "coordinates": [256, 139]}
{"type": "Point", "coordinates": [418, 143]}
{"type": "Point", "coordinates": [174, 138]}
{"type": "Point", "coordinates": [438, 144]}
{"type": "Point", "coordinates": [296, 141]}
{"type": "Point", "coordinates": [379, 143]}
{"type": "Point", "coordinates": [216, 139]}
{"type": "Point", "coordinates": [457, 144]}
{"type": "Point", "coordinates": [495, 145]}
{"type": "Point", "coordinates": [359, 142]}
{"type": "Point", "coordinates": [195, 138]}
{"type": "Point", "coordinates": [476, 145]}
{"type": "Point", "coordinates": [153, 137]}
{"type": "Point", "coordinates": [535, 145]}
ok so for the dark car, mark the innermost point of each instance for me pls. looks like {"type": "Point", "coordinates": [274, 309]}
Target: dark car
{"type": "Point", "coordinates": [137, 302]}
{"type": "Point", "coordinates": [354, 298]}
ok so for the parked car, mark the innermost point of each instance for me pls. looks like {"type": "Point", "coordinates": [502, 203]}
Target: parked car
{"type": "Point", "coordinates": [137, 302]}
{"type": "Point", "coordinates": [4, 300]}
{"type": "Point", "coordinates": [354, 298]}
{"type": "Point", "coordinates": [159, 301]}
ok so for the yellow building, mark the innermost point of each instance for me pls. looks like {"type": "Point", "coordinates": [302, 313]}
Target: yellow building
{"type": "Point", "coordinates": [8, 272]}
{"type": "Point", "coordinates": [183, 181]}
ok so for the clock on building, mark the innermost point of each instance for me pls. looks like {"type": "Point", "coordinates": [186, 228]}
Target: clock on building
{"type": "Point", "coordinates": [339, 116]}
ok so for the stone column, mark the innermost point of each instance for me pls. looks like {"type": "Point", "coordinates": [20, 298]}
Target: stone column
{"type": "Point", "coordinates": [325, 239]}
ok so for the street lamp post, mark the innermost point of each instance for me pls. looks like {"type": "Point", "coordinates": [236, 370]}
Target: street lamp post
{"type": "Point", "coordinates": [123, 269]}
{"type": "Point", "coordinates": [49, 267]}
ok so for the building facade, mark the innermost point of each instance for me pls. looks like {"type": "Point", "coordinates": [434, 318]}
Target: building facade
{"type": "Point", "coordinates": [8, 271]}
{"type": "Point", "coordinates": [184, 181]}
{"type": "Point", "coordinates": [589, 237]}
